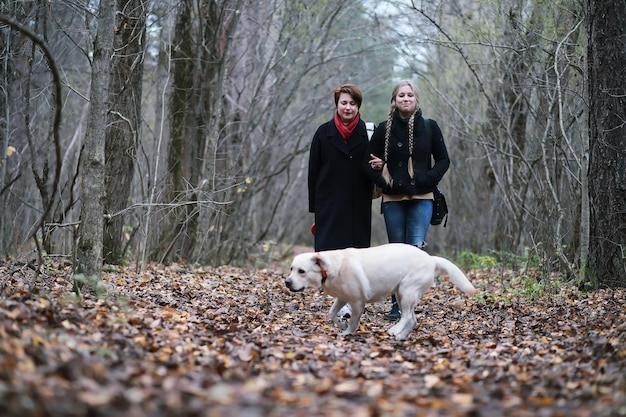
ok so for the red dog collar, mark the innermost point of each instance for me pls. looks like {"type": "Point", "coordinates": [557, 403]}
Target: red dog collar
{"type": "Point", "coordinates": [324, 274]}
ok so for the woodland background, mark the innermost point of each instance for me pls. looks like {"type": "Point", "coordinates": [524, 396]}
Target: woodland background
{"type": "Point", "coordinates": [157, 151]}
{"type": "Point", "coordinates": [210, 107]}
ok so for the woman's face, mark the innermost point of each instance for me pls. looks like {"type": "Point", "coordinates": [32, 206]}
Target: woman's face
{"type": "Point", "coordinates": [347, 108]}
{"type": "Point", "coordinates": [406, 102]}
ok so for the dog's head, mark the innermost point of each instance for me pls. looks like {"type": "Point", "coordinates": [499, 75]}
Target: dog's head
{"type": "Point", "coordinates": [307, 270]}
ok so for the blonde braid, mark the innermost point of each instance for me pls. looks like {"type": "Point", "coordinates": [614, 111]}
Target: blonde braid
{"type": "Point", "coordinates": [388, 133]}
{"type": "Point", "coordinates": [411, 129]}
{"type": "Point", "coordinates": [385, 172]}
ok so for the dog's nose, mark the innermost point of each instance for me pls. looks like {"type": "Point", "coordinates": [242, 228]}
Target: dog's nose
{"type": "Point", "coordinates": [288, 283]}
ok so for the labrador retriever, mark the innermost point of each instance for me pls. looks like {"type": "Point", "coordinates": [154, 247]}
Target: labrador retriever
{"type": "Point", "coordinates": [361, 276]}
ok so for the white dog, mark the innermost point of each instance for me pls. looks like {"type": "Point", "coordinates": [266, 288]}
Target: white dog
{"type": "Point", "coordinates": [361, 276]}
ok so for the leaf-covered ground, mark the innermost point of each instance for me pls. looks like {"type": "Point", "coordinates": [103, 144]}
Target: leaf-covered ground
{"type": "Point", "coordinates": [181, 341]}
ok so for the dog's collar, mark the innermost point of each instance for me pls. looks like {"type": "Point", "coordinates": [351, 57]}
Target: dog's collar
{"type": "Point", "coordinates": [323, 271]}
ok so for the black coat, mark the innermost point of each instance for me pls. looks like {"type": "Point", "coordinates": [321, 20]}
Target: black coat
{"type": "Point", "coordinates": [425, 150]}
{"type": "Point", "coordinates": [340, 193]}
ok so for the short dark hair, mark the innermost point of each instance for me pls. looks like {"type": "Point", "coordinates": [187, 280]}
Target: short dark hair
{"type": "Point", "coordinates": [351, 89]}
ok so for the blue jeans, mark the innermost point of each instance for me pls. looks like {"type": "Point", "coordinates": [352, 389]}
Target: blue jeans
{"type": "Point", "coordinates": [408, 221]}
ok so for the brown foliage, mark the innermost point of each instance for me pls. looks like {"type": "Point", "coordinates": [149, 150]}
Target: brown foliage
{"type": "Point", "coordinates": [188, 341]}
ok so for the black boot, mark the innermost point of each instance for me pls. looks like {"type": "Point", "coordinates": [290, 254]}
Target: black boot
{"type": "Point", "coordinates": [395, 312]}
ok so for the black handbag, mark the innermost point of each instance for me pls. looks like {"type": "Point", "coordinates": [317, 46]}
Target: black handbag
{"type": "Point", "coordinates": [440, 209]}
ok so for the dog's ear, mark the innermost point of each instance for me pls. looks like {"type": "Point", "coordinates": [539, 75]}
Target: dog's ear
{"type": "Point", "coordinates": [322, 260]}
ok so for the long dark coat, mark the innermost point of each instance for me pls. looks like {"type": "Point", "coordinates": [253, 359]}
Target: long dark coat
{"type": "Point", "coordinates": [340, 193]}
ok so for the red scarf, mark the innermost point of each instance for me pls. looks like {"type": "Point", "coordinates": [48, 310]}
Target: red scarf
{"type": "Point", "coordinates": [346, 130]}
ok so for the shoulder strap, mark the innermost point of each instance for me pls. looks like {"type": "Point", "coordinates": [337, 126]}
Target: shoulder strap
{"type": "Point", "coordinates": [370, 129]}
{"type": "Point", "coordinates": [428, 128]}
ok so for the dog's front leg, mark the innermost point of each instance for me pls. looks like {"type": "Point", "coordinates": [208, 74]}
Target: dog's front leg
{"type": "Point", "coordinates": [334, 310]}
{"type": "Point", "coordinates": [355, 318]}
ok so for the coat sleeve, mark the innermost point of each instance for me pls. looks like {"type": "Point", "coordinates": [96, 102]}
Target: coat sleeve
{"type": "Point", "coordinates": [314, 168]}
{"type": "Point", "coordinates": [440, 156]}
{"type": "Point", "coordinates": [376, 146]}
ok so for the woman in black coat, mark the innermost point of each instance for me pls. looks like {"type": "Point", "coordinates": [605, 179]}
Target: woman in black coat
{"type": "Point", "coordinates": [415, 159]}
{"type": "Point", "coordinates": [340, 192]}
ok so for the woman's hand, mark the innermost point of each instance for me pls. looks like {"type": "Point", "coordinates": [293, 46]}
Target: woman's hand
{"type": "Point", "coordinates": [375, 162]}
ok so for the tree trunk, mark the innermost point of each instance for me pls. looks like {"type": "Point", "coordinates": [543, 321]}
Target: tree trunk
{"type": "Point", "coordinates": [161, 129]}
{"type": "Point", "coordinates": [89, 248]}
{"type": "Point", "coordinates": [606, 266]}
{"type": "Point", "coordinates": [181, 154]}
{"type": "Point", "coordinates": [124, 121]}
{"type": "Point", "coordinates": [219, 28]}
{"type": "Point", "coordinates": [196, 120]}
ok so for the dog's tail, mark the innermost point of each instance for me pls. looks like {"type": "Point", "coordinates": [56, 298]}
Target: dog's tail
{"type": "Point", "coordinates": [458, 278]}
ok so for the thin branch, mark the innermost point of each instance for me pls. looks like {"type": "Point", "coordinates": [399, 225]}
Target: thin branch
{"type": "Point", "coordinates": [57, 114]}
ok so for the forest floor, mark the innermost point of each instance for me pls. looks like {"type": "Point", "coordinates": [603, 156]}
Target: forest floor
{"type": "Point", "coordinates": [189, 341]}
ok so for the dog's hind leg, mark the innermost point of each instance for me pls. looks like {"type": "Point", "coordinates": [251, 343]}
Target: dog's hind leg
{"type": "Point", "coordinates": [407, 321]}
{"type": "Point", "coordinates": [402, 329]}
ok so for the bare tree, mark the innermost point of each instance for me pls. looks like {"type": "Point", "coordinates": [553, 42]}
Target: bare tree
{"type": "Point", "coordinates": [200, 57]}
{"type": "Point", "coordinates": [288, 58]}
{"type": "Point", "coordinates": [606, 264]}
{"type": "Point", "coordinates": [89, 247]}
{"type": "Point", "coordinates": [35, 96]}
{"type": "Point", "coordinates": [123, 128]}
{"type": "Point", "coordinates": [505, 81]}
{"type": "Point", "coordinates": [244, 108]}
{"type": "Point", "coordinates": [47, 192]}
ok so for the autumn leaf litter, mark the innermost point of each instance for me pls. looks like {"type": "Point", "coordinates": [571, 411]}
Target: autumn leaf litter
{"type": "Point", "coordinates": [226, 341]}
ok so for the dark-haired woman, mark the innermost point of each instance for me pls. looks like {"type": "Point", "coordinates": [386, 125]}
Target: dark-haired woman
{"type": "Point", "coordinates": [340, 191]}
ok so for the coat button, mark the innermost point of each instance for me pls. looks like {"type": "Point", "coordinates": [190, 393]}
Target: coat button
{"type": "Point", "coordinates": [400, 144]}
{"type": "Point", "coordinates": [400, 163]}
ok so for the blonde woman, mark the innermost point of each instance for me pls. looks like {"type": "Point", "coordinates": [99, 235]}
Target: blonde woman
{"type": "Point", "coordinates": [413, 158]}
